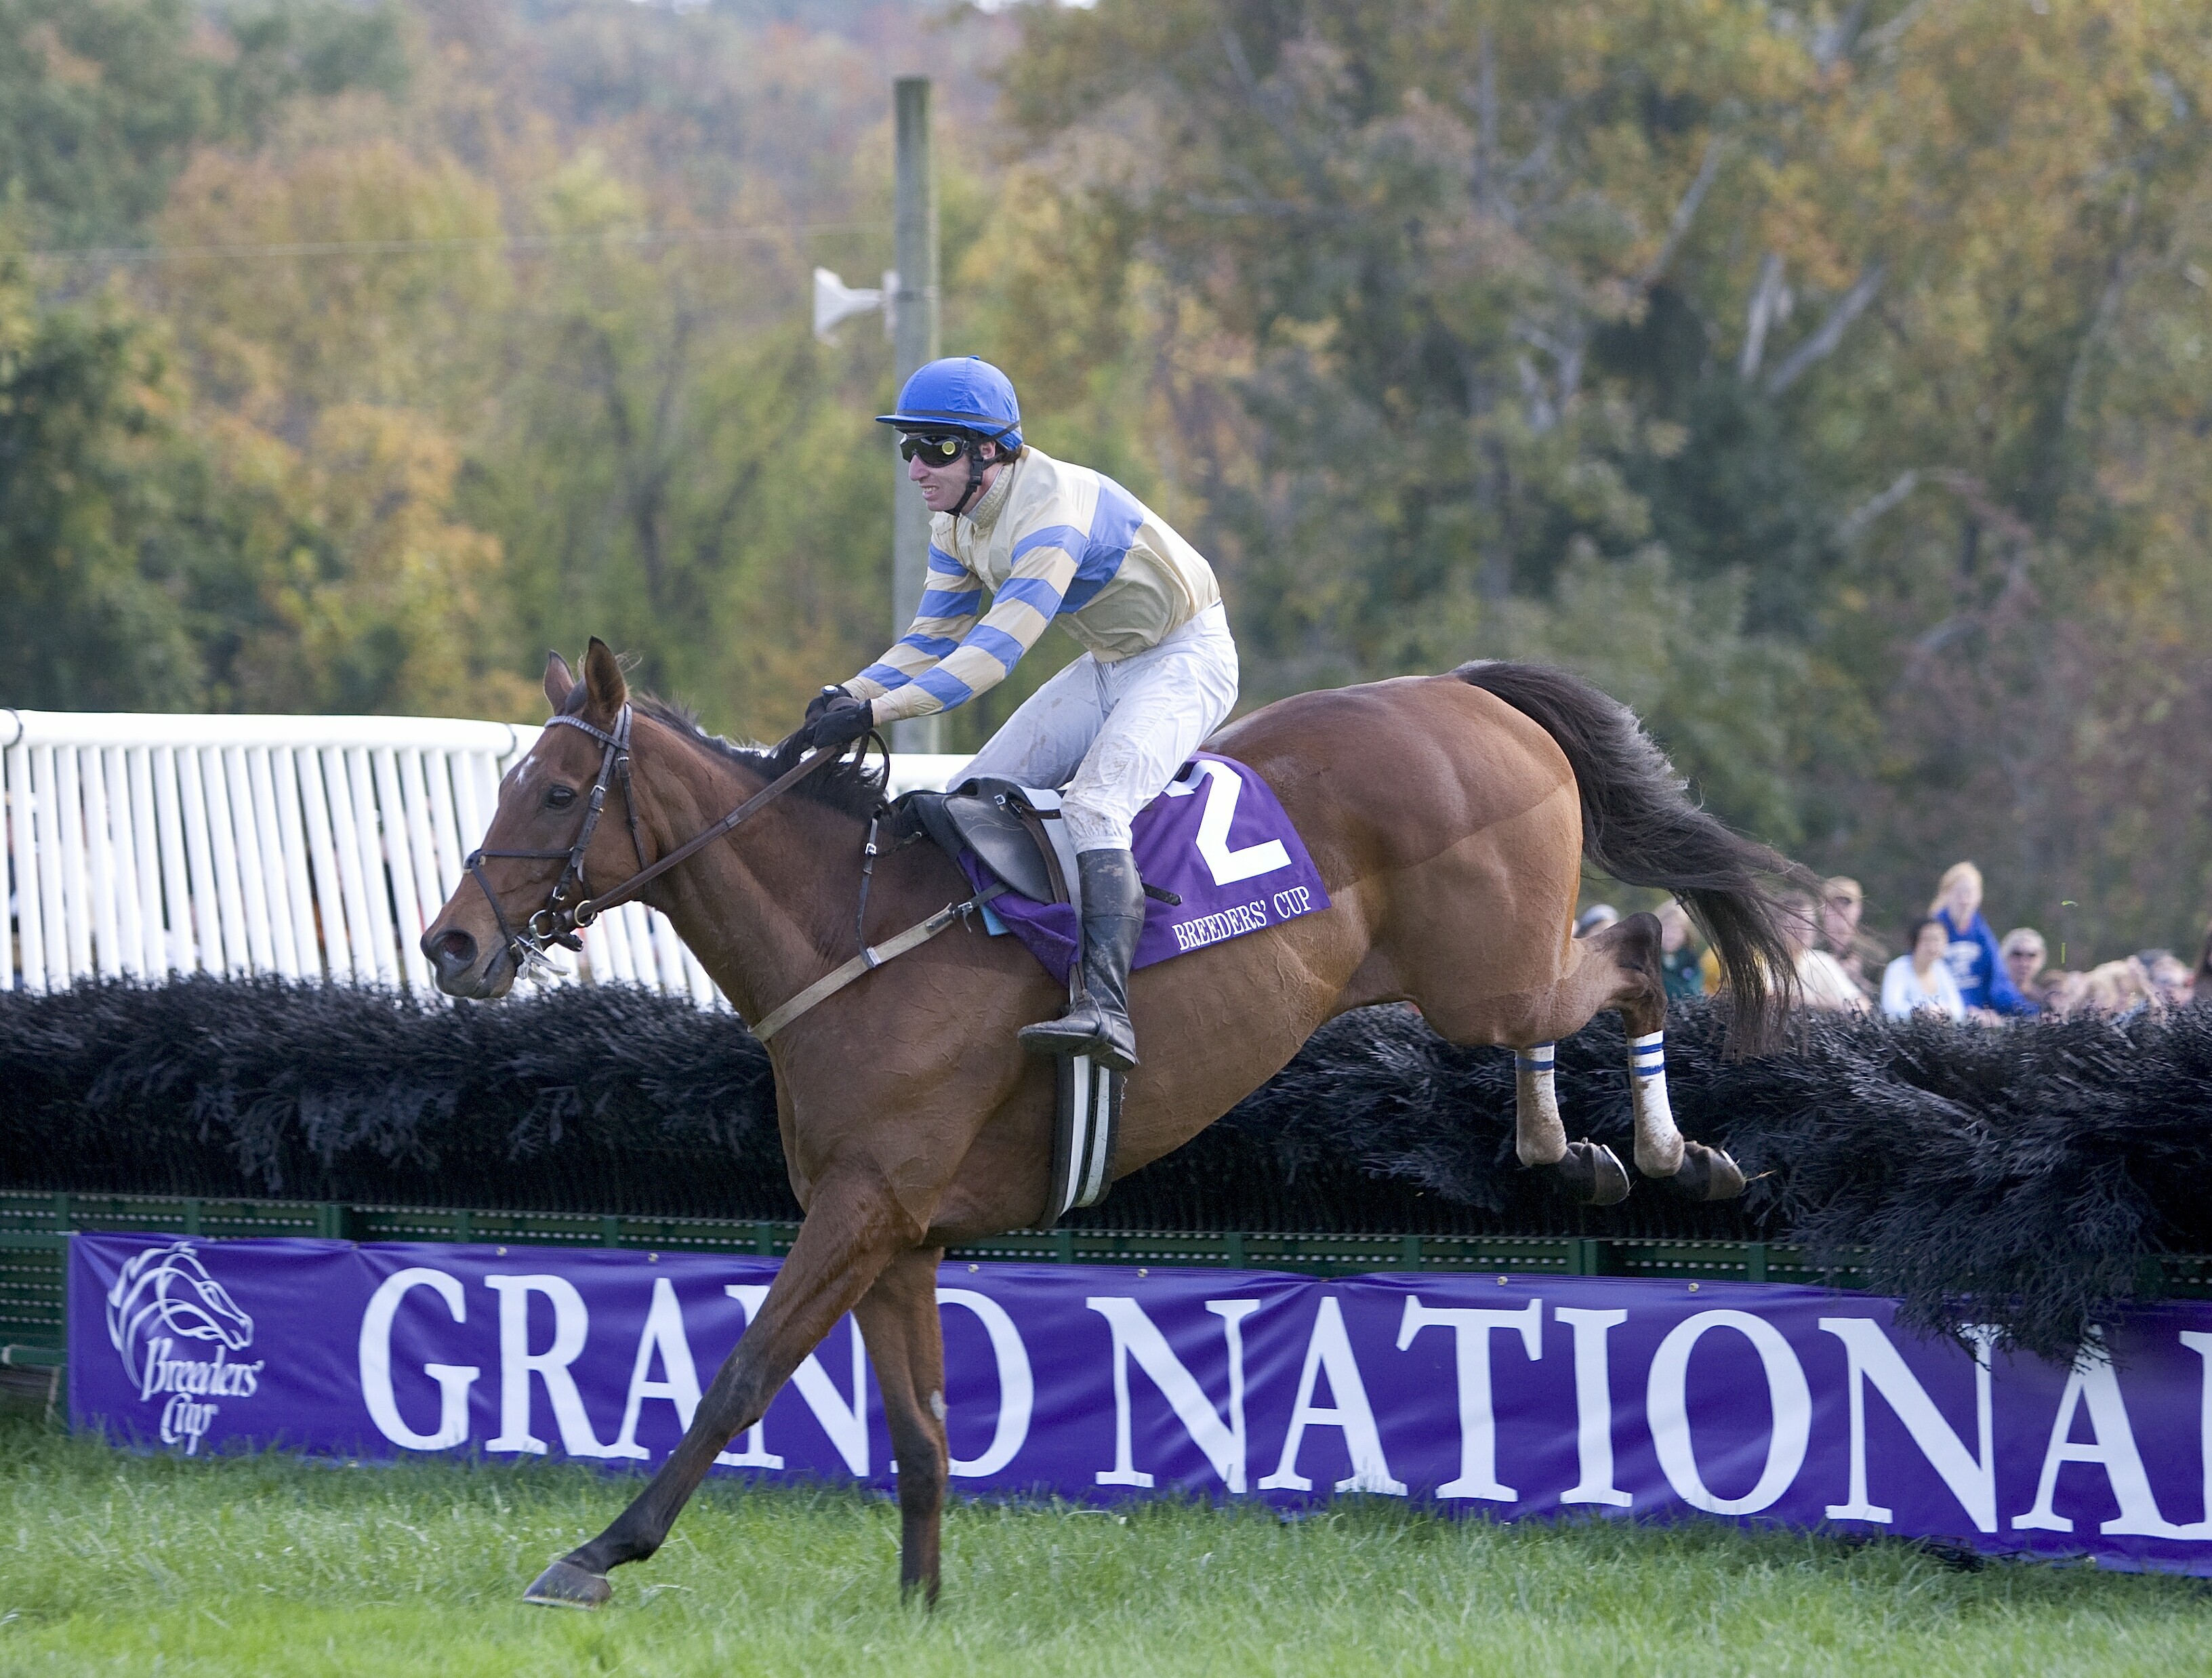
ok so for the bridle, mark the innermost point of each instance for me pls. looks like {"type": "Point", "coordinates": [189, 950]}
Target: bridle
{"type": "Point", "coordinates": [558, 923]}
{"type": "Point", "coordinates": [562, 920]}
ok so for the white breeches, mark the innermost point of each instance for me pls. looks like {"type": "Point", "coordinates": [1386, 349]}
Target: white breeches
{"type": "Point", "coordinates": [1111, 736]}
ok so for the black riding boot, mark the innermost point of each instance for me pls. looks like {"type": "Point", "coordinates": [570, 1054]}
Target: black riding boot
{"type": "Point", "coordinates": [1097, 1021]}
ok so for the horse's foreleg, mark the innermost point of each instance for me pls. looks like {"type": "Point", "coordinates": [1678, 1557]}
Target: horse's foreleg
{"type": "Point", "coordinates": [842, 1246]}
{"type": "Point", "coordinates": [905, 1344]}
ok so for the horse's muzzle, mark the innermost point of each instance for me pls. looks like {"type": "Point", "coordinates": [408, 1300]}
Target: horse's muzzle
{"type": "Point", "coordinates": [453, 955]}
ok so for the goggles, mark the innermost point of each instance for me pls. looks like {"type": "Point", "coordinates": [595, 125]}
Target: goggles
{"type": "Point", "coordinates": [938, 451]}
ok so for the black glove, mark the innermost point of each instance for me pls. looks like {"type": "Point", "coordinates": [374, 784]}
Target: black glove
{"type": "Point", "coordinates": [839, 722]}
{"type": "Point", "coordinates": [823, 699]}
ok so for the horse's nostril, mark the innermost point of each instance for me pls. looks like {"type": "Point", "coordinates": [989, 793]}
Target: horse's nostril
{"type": "Point", "coordinates": [455, 950]}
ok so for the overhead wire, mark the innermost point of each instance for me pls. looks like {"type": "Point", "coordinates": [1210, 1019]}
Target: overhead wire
{"type": "Point", "coordinates": [520, 241]}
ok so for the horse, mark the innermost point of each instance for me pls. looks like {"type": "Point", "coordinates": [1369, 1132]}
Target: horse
{"type": "Point", "coordinates": [1449, 817]}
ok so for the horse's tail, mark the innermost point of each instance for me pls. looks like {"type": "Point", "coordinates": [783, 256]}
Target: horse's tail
{"type": "Point", "coordinates": [1639, 827]}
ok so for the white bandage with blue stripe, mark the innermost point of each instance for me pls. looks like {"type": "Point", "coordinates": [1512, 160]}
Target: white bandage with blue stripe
{"type": "Point", "coordinates": [1647, 1056]}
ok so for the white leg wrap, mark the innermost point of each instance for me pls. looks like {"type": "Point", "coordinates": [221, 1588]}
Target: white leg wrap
{"type": "Point", "coordinates": [1540, 1137]}
{"type": "Point", "coordinates": [1658, 1143]}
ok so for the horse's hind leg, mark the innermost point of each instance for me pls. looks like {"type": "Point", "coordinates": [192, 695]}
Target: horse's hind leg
{"type": "Point", "coordinates": [1588, 1171]}
{"type": "Point", "coordinates": [1539, 1136]}
{"type": "Point", "coordinates": [1615, 967]}
{"type": "Point", "coordinates": [1633, 944]}
{"type": "Point", "coordinates": [905, 1344]}
{"type": "Point", "coordinates": [1661, 1151]}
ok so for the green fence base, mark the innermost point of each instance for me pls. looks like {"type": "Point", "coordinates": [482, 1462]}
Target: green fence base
{"type": "Point", "coordinates": [34, 1230]}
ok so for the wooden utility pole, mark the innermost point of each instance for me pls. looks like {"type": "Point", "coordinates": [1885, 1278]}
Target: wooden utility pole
{"type": "Point", "coordinates": [913, 334]}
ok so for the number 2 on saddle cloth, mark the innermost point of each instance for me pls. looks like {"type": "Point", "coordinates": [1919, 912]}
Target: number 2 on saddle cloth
{"type": "Point", "coordinates": [1218, 857]}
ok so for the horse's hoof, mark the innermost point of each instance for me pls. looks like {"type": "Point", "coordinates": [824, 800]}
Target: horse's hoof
{"type": "Point", "coordinates": [1659, 1170]}
{"type": "Point", "coordinates": [565, 1585]}
{"type": "Point", "coordinates": [1591, 1174]}
{"type": "Point", "coordinates": [1708, 1174]}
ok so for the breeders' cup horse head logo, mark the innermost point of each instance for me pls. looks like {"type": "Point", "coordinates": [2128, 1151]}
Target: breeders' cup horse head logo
{"type": "Point", "coordinates": [167, 1289]}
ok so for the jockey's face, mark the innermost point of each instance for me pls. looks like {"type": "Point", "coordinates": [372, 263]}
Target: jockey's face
{"type": "Point", "coordinates": [942, 487]}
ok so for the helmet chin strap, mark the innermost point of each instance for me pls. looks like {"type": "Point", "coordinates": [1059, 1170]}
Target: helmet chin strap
{"type": "Point", "coordinates": [975, 454]}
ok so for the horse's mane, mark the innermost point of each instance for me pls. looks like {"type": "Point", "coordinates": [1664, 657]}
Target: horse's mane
{"type": "Point", "coordinates": [847, 786]}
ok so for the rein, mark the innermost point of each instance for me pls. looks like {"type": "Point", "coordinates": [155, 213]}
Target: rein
{"type": "Point", "coordinates": [560, 922]}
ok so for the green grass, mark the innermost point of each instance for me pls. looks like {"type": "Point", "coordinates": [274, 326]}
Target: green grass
{"type": "Point", "coordinates": [113, 1563]}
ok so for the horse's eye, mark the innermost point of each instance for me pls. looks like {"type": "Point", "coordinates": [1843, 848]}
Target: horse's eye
{"type": "Point", "coordinates": [560, 798]}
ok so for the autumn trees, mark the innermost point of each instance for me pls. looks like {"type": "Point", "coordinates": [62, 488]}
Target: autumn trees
{"type": "Point", "coordinates": [1787, 369]}
{"type": "Point", "coordinates": [1829, 381]}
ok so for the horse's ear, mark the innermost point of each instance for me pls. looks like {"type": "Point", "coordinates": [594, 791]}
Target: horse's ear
{"type": "Point", "coordinates": [603, 677]}
{"type": "Point", "coordinates": [558, 681]}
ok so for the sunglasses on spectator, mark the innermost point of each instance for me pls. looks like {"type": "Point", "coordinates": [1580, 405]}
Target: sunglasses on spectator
{"type": "Point", "coordinates": [937, 451]}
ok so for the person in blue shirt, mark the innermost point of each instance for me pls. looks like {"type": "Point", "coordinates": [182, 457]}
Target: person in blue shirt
{"type": "Point", "coordinates": [1983, 985]}
{"type": "Point", "coordinates": [1679, 969]}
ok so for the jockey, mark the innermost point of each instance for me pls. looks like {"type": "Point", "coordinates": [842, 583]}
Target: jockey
{"type": "Point", "coordinates": [1157, 677]}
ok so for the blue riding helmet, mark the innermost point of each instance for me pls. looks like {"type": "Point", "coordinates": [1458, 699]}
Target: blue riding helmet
{"type": "Point", "coordinates": [962, 392]}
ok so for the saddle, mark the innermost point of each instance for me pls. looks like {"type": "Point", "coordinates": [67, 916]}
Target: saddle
{"type": "Point", "coordinates": [1016, 833]}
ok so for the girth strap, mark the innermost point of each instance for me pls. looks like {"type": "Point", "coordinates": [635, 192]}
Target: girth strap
{"type": "Point", "coordinates": [871, 959]}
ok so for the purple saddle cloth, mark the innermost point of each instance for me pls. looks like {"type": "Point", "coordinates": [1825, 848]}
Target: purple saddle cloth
{"type": "Point", "coordinates": [1219, 839]}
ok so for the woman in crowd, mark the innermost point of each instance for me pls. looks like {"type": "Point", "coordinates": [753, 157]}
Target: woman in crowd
{"type": "Point", "coordinates": [2065, 991]}
{"type": "Point", "coordinates": [1821, 984]}
{"type": "Point", "coordinates": [1841, 906]}
{"type": "Point", "coordinates": [2169, 975]}
{"type": "Point", "coordinates": [1678, 954]}
{"type": "Point", "coordinates": [2116, 989]}
{"type": "Point", "coordinates": [1920, 980]}
{"type": "Point", "coordinates": [1983, 983]}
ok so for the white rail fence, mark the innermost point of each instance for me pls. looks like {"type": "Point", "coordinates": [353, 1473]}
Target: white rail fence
{"type": "Point", "coordinates": [312, 847]}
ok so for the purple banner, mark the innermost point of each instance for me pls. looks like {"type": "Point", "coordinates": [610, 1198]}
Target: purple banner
{"type": "Point", "coordinates": [1509, 1395]}
{"type": "Point", "coordinates": [1219, 839]}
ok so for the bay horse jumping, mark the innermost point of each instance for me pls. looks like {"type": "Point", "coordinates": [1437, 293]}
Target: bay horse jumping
{"type": "Point", "coordinates": [1449, 817]}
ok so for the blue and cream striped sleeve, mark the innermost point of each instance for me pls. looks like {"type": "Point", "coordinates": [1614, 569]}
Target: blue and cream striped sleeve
{"type": "Point", "coordinates": [951, 601]}
{"type": "Point", "coordinates": [1044, 566]}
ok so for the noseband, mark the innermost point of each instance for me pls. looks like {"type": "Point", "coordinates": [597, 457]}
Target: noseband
{"type": "Point", "coordinates": [559, 921]}
{"type": "Point", "coordinates": [562, 920]}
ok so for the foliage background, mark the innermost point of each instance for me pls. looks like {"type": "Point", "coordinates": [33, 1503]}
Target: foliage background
{"type": "Point", "coordinates": [1828, 380]}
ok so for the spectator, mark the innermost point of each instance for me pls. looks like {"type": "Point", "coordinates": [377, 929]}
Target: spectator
{"type": "Point", "coordinates": [1842, 905]}
{"type": "Point", "coordinates": [2120, 989]}
{"type": "Point", "coordinates": [2062, 991]}
{"type": "Point", "coordinates": [1920, 980]}
{"type": "Point", "coordinates": [1821, 984]}
{"type": "Point", "coordinates": [2023, 954]}
{"type": "Point", "coordinates": [1678, 957]}
{"type": "Point", "coordinates": [2169, 975]}
{"type": "Point", "coordinates": [1595, 919]}
{"type": "Point", "coordinates": [1983, 985]}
